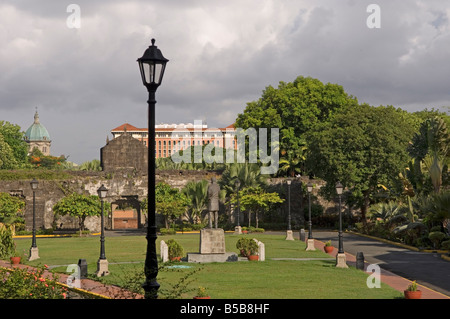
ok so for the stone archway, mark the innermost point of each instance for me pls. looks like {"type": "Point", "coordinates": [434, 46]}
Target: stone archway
{"type": "Point", "coordinates": [126, 213]}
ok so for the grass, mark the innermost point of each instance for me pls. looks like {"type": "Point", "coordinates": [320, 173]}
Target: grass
{"type": "Point", "coordinates": [272, 279]}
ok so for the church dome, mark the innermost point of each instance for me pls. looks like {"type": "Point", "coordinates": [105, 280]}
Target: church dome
{"type": "Point", "coordinates": [37, 131]}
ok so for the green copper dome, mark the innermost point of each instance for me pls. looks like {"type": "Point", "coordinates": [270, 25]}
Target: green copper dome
{"type": "Point", "coordinates": [37, 131]}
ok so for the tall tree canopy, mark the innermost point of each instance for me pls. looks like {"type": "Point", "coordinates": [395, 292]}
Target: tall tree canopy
{"type": "Point", "coordinates": [363, 147]}
{"type": "Point", "coordinates": [13, 148]}
{"type": "Point", "coordinates": [295, 108]}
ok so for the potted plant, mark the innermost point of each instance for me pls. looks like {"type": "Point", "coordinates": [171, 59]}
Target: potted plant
{"type": "Point", "coordinates": [175, 250]}
{"type": "Point", "coordinates": [15, 258]}
{"type": "Point", "coordinates": [412, 292]}
{"type": "Point", "coordinates": [202, 294]}
{"type": "Point", "coordinates": [248, 248]}
{"type": "Point", "coordinates": [328, 248]}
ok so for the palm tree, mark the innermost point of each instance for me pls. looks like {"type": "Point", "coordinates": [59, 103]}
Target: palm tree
{"type": "Point", "coordinates": [248, 174]}
{"type": "Point", "coordinates": [197, 194]}
{"type": "Point", "coordinates": [292, 161]}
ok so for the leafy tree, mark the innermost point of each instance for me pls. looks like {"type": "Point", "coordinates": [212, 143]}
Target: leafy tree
{"type": "Point", "coordinates": [363, 147]}
{"type": "Point", "coordinates": [18, 148]}
{"type": "Point", "coordinates": [197, 195]}
{"type": "Point", "coordinates": [39, 160]}
{"type": "Point", "coordinates": [93, 165]}
{"type": "Point", "coordinates": [248, 174]}
{"type": "Point", "coordinates": [79, 206]}
{"type": "Point", "coordinates": [295, 108]}
{"type": "Point", "coordinates": [10, 208]}
{"type": "Point", "coordinates": [170, 202]}
{"type": "Point", "coordinates": [256, 200]}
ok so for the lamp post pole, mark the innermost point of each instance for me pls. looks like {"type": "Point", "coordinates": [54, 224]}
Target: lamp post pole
{"type": "Point", "coordinates": [102, 264]}
{"type": "Point", "coordinates": [310, 246]}
{"type": "Point", "coordinates": [238, 229]}
{"type": "Point", "coordinates": [289, 235]}
{"type": "Point", "coordinates": [340, 257]}
{"type": "Point", "coordinates": [34, 251]}
{"type": "Point", "coordinates": [152, 65]}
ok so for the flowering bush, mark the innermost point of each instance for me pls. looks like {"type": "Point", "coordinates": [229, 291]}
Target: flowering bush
{"type": "Point", "coordinates": [22, 283]}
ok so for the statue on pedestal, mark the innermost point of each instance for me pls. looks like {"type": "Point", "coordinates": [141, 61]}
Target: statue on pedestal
{"type": "Point", "coordinates": [213, 202]}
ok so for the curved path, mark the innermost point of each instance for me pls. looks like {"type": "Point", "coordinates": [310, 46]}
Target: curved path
{"type": "Point", "coordinates": [428, 269]}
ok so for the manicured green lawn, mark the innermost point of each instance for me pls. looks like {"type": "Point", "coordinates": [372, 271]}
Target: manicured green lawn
{"type": "Point", "coordinates": [272, 279]}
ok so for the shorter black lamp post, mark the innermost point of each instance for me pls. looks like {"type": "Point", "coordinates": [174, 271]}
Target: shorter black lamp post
{"type": "Point", "coordinates": [34, 251]}
{"type": "Point", "coordinates": [340, 257]}
{"type": "Point", "coordinates": [289, 235]}
{"type": "Point", "coordinates": [309, 188]}
{"type": "Point", "coordinates": [102, 264]}
{"type": "Point", "coordinates": [238, 229]}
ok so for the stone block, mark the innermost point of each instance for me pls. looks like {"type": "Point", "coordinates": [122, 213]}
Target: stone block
{"type": "Point", "coordinates": [212, 241]}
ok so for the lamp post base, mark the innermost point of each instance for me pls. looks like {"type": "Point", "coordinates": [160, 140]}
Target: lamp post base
{"type": "Point", "coordinates": [102, 268]}
{"type": "Point", "coordinates": [237, 230]}
{"type": "Point", "coordinates": [289, 235]}
{"type": "Point", "coordinates": [341, 260]}
{"type": "Point", "coordinates": [34, 253]}
{"type": "Point", "coordinates": [310, 244]}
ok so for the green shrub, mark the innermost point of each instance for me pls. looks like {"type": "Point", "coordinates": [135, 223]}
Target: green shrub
{"type": "Point", "coordinates": [436, 237]}
{"type": "Point", "coordinates": [7, 246]}
{"type": "Point", "coordinates": [247, 246]}
{"type": "Point", "coordinates": [29, 284]}
{"type": "Point", "coordinates": [446, 245]}
{"type": "Point", "coordinates": [174, 248]}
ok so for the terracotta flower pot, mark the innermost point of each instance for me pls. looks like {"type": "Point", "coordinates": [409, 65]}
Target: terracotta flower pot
{"type": "Point", "coordinates": [253, 257]}
{"type": "Point", "coordinates": [328, 249]}
{"type": "Point", "coordinates": [413, 294]}
{"type": "Point", "coordinates": [15, 260]}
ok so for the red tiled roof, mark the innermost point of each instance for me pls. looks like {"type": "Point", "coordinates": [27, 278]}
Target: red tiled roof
{"type": "Point", "coordinates": [128, 127]}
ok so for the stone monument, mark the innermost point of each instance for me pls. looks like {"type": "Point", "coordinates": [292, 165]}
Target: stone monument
{"type": "Point", "coordinates": [212, 240]}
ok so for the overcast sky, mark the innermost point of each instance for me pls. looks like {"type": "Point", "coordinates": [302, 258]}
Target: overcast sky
{"type": "Point", "coordinates": [85, 80]}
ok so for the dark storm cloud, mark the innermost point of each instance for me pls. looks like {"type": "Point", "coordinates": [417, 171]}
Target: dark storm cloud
{"type": "Point", "coordinates": [222, 55]}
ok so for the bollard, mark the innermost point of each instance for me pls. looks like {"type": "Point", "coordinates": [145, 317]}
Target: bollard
{"type": "Point", "coordinates": [82, 264]}
{"type": "Point", "coordinates": [360, 261]}
{"type": "Point", "coordinates": [302, 235]}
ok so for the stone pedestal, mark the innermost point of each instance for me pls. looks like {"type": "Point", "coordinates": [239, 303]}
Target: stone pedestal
{"type": "Point", "coordinates": [237, 230]}
{"type": "Point", "coordinates": [34, 253]}
{"type": "Point", "coordinates": [212, 247]}
{"type": "Point", "coordinates": [102, 267]}
{"type": "Point", "coordinates": [341, 261]}
{"type": "Point", "coordinates": [310, 244]}
{"type": "Point", "coordinates": [289, 235]}
{"type": "Point", "coordinates": [212, 241]}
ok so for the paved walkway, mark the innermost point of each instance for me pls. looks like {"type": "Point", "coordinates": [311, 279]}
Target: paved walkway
{"type": "Point", "coordinates": [395, 281]}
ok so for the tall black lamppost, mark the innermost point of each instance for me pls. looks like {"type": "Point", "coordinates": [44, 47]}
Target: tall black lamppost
{"type": "Point", "coordinates": [34, 251]}
{"type": "Point", "coordinates": [289, 235]}
{"type": "Point", "coordinates": [237, 183]}
{"type": "Point", "coordinates": [340, 258]}
{"type": "Point", "coordinates": [151, 65]}
{"type": "Point", "coordinates": [102, 264]}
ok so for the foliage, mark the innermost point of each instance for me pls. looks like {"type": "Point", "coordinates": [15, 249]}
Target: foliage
{"type": "Point", "coordinates": [174, 248]}
{"type": "Point", "coordinates": [93, 165]}
{"type": "Point", "coordinates": [170, 202]}
{"type": "Point", "coordinates": [255, 200]}
{"type": "Point", "coordinates": [39, 160]}
{"type": "Point", "coordinates": [328, 243]}
{"type": "Point", "coordinates": [7, 246]}
{"type": "Point", "coordinates": [436, 237]}
{"type": "Point", "coordinates": [294, 107]}
{"type": "Point", "coordinates": [247, 247]}
{"type": "Point", "coordinates": [248, 174]}
{"type": "Point", "coordinates": [197, 195]}
{"type": "Point", "coordinates": [412, 286]}
{"type": "Point", "coordinates": [80, 206]}
{"type": "Point", "coordinates": [10, 208]}
{"type": "Point", "coordinates": [30, 284]}
{"type": "Point", "coordinates": [201, 292]}
{"type": "Point", "coordinates": [363, 147]}
{"type": "Point", "coordinates": [13, 148]}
